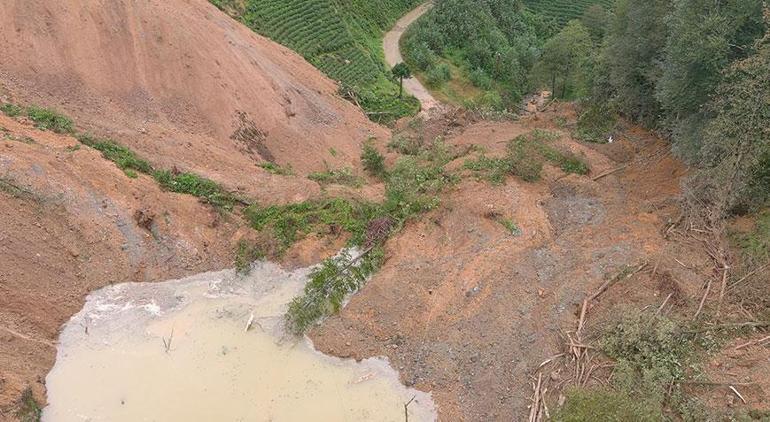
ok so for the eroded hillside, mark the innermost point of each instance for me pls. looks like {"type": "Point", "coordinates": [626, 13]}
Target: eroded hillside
{"type": "Point", "coordinates": [182, 84]}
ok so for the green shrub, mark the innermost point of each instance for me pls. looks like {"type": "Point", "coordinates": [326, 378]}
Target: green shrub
{"type": "Point", "coordinates": [438, 75]}
{"type": "Point", "coordinates": [195, 185]}
{"type": "Point", "coordinates": [524, 160]}
{"type": "Point", "coordinates": [277, 169]}
{"type": "Point", "coordinates": [480, 79]}
{"type": "Point", "coordinates": [123, 157]}
{"type": "Point", "coordinates": [47, 119]}
{"type": "Point", "coordinates": [412, 188]}
{"type": "Point", "coordinates": [595, 124]}
{"type": "Point", "coordinates": [343, 176]}
{"type": "Point", "coordinates": [372, 160]}
{"type": "Point", "coordinates": [11, 110]}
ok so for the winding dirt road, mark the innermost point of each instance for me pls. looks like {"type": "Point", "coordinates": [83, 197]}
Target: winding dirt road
{"type": "Point", "coordinates": [393, 55]}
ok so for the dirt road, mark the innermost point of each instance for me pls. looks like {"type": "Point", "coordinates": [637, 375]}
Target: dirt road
{"type": "Point", "coordinates": [393, 55]}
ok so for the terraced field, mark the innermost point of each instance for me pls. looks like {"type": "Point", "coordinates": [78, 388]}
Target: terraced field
{"type": "Point", "coordinates": [342, 38]}
{"type": "Point", "coordinates": [564, 11]}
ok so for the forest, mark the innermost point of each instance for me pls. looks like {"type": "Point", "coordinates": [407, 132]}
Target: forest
{"type": "Point", "coordinates": [696, 72]}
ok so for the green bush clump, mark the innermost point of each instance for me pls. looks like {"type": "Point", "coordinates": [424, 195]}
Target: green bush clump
{"type": "Point", "coordinates": [438, 75]}
{"type": "Point", "coordinates": [342, 176]}
{"type": "Point", "coordinates": [47, 119]}
{"type": "Point", "coordinates": [595, 124]}
{"type": "Point", "coordinates": [195, 185]}
{"type": "Point", "coordinates": [29, 409]}
{"type": "Point", "coordinates": [11, 110]}
{"type": "Point", "coordinates": [480, 79]}
{"type": "Point", "coordinates": [372, 160]}
{"type": "Point", "coordinates": [277, 169]}
{"type": "Point", "coordinates": [412, 188]}
{"type": "Point", "coordinates": [524, 161]}
{"type": "Point", "coordinates": [123, 157]}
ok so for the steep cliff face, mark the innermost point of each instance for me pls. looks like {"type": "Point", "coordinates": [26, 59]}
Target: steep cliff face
{"type": "Point", "coordinates": [181, 83]}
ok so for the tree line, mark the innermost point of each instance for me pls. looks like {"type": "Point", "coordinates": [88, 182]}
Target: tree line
{"type": "Point", "coordinates": [696, 71]}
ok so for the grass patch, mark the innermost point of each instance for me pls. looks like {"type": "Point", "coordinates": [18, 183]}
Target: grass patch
{"type": "Point", "coordinates": [245, 254]}
{"type": "Point", "coordinates": [124, 158]}
{"type": "Point", "coordinates": [29, 409]}
{"type": "Point", "coordinates": [342, 176]}
{"type": "Point", "coordinates": [601, 404]}
{"type": "Point", "coordinates": [47, 119]}
{"type": "Point", "coordinates": [525, 157]}
{"type": "Point", "coordinates": [11, 110]}
{"type": "Point", "coordinates": [493, 170]}
{"type": "Point", "coordinates": [44, 118]}
{"type": "Point", "coordinates": [512, 227]}
{"type": "Point", "coordinates": [277, 169]}
{"type": "Point", "coordinates": [329, 284]}
{"type": "Point", "coordinates": [192, 184]}
{"type": "Point", "coordinates": [289, 223]}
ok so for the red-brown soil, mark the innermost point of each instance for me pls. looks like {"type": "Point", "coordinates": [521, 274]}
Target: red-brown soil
{"type": "Point", "coordinates": [468, 311]}
{"type": "Point", "coordinates": [73, 222]}
{"type": "Point", "coordinates": [185, 86]}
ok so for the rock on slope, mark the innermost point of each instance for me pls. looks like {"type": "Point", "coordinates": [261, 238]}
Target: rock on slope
{"type": "Point", "coordinates": [181, 83]}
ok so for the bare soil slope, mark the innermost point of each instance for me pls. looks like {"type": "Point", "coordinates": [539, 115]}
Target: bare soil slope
{"type": "Point", "coordinates": [181, 83]}
{"type": "Point", "coordinates": [468, 311]}
{"type": "Point", "coordinates": [73, 222]}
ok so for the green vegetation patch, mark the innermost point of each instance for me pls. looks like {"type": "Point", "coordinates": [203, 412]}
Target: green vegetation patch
{"type": "Point", "coordinates": [44, 118]}
{"type": "Point", "coordinates": [11, 110]}
{"type": "Point", "coordinates": [563, 11]}
{"type": "Point", "coordinates": [198, 186]}
{"type": "Point", "coordinates": [47, 119]}
{"type": "Point", "coordinates": [342, 176]}
{"type": "Point", "coordinates": [372, 160]}
{"type": "Point", "coordinates": [289, 223]}
{"type": "Point", "coordinates": [525, 157]}
{"type": "Point", "coordinates": [277, 169]}
{"type": "Point", "coordinates": [328, 287]}
{"type": "Point", "coordinates": [29, 409]}
{"type": "Point", "coordinates": [494, 170]}
{"type": "Point", "coordinates": [754, 245]}
{"type": "Point", "coordinates": [124, 158]}
{"type": "Point", "coordinates": [603, 404]}
{"type": "Point", "coordinates": [510, 226]}
{"type": "Point", "coordinates": [341, 38]}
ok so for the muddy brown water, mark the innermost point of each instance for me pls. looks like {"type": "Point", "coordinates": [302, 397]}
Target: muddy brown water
{"type": "Point", "coordinates": [179, 350]}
